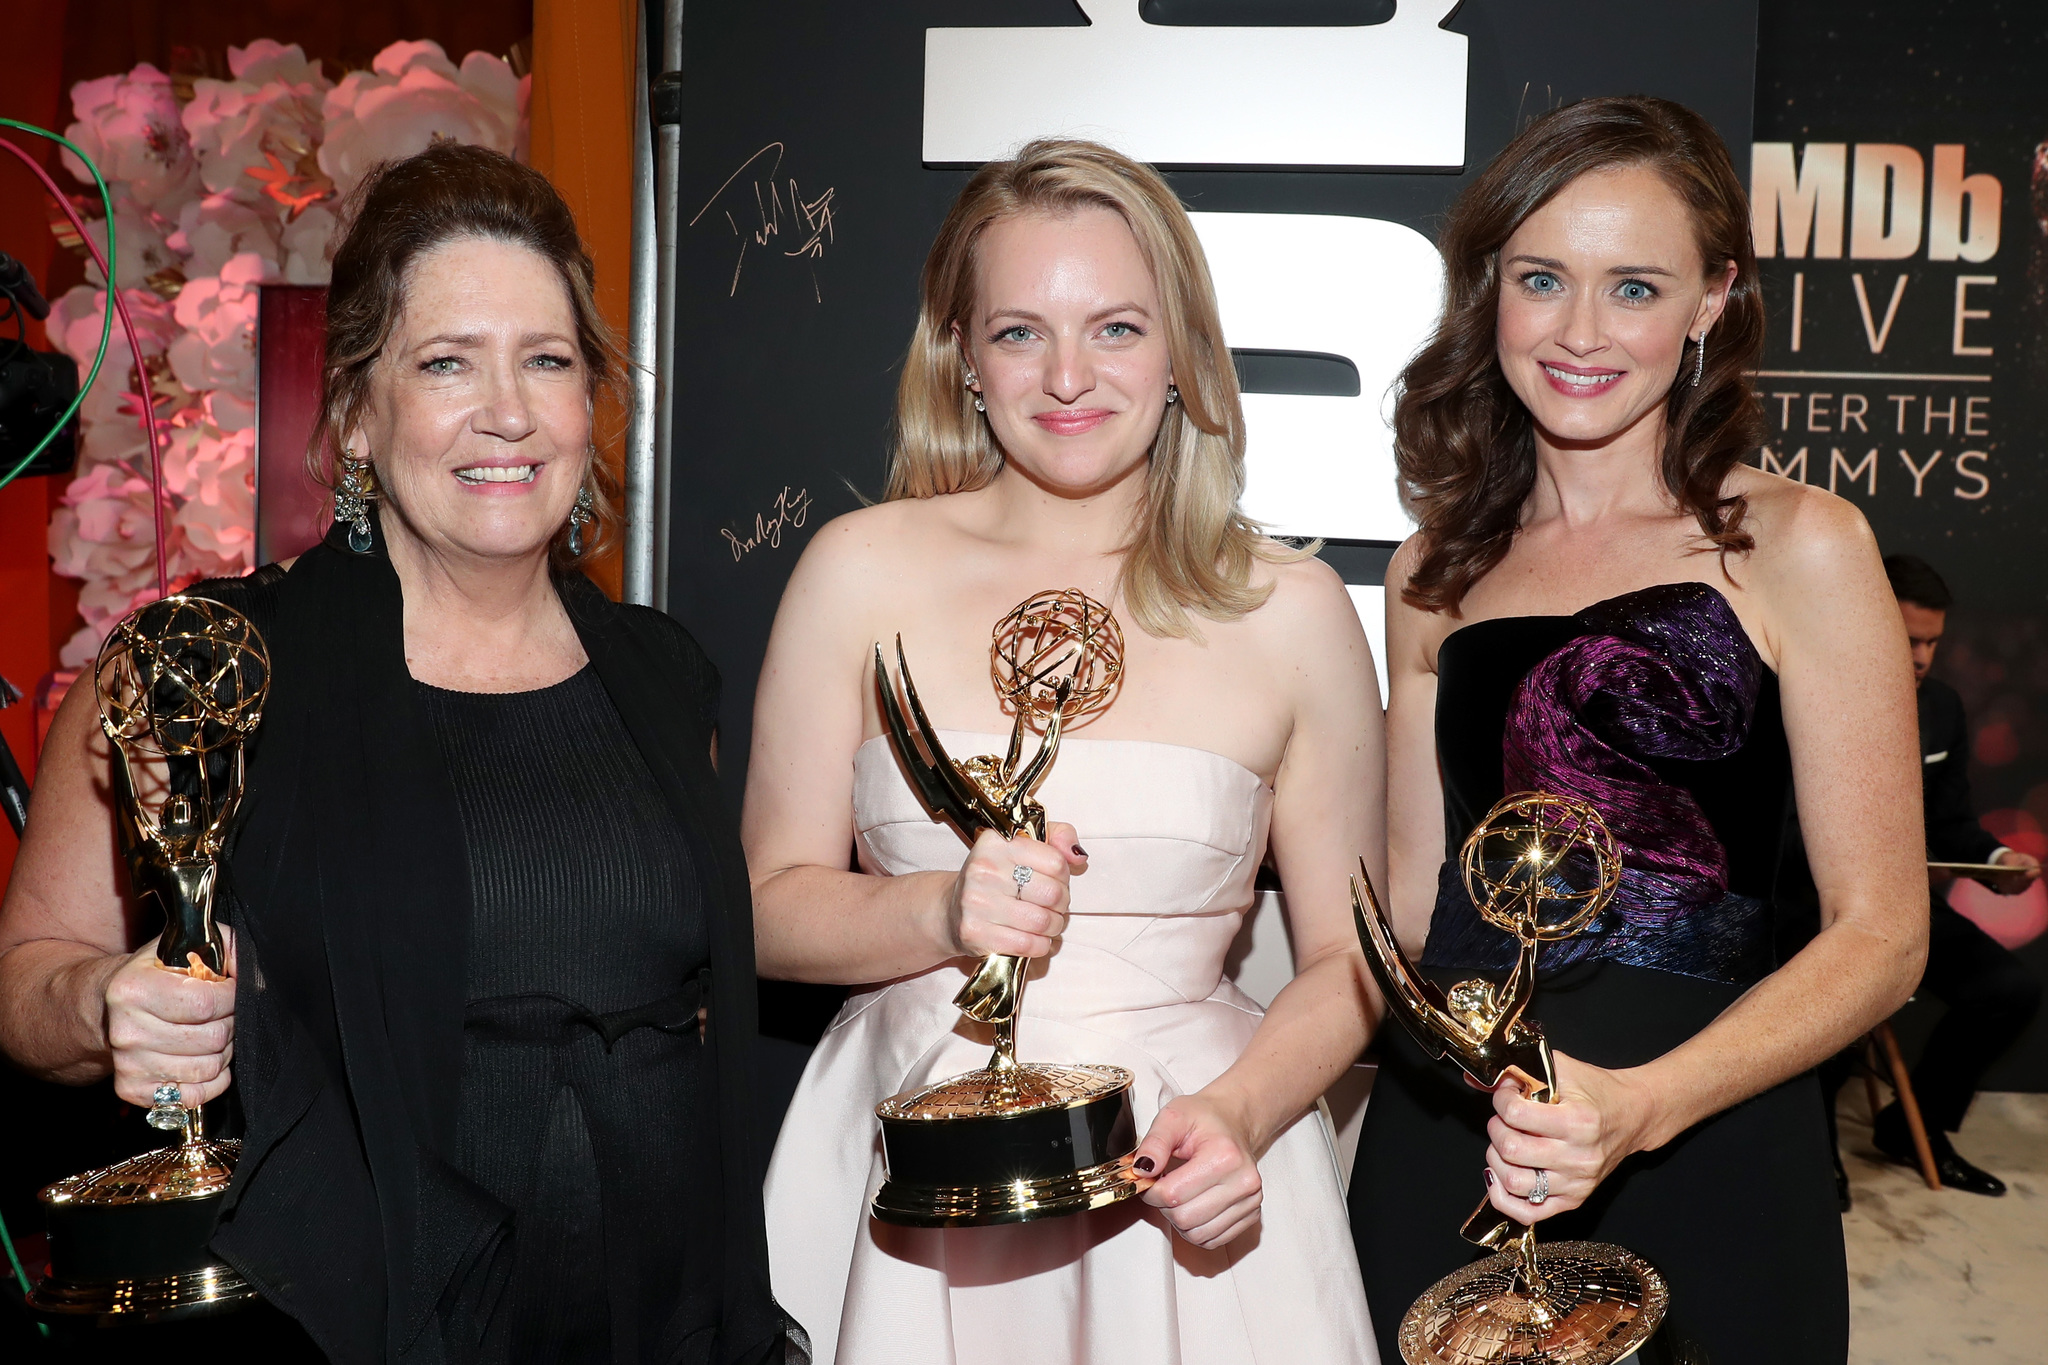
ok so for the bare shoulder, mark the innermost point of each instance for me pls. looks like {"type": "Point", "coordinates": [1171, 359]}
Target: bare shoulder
{"type": "Point", "coordinates": [1300, 583]}
{"type": "Point", "coordinates": [1307, 595]}
{"type": "Point", "coordinates": [1406, 560]}
{"type": "Point", "coordinates": [1803, 534]}
{"type": "Point", "coordinates": [863, 550]}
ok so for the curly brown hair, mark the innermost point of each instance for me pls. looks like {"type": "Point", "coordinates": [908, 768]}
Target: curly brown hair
{"type": "Point", "coordinates": [406, 208]}
{"type": "Point", "coordinates": [1464, 442]}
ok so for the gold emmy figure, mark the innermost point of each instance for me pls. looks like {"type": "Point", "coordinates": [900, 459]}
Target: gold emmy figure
{"type": "Point", "coordinates": [181, 685]}
{"type": "Point", "coordinates": [1542, 868]}
{"type": "Point", "coordinates": [1013, 1140]}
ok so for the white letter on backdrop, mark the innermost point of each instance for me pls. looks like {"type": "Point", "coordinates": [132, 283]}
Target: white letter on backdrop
{"type": "Point", "coordinates": [1379, 95]}
{"type": "Point", "coordinates": [1359, 288]}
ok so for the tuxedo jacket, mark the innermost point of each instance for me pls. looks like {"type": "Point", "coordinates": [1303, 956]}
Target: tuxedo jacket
{"type": "Point", "coordinates": [1953, 834]}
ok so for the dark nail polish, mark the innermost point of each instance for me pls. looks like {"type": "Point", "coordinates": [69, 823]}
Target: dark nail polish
{"type": "Point", "coordinates": [1488, 1173]}
{"type": "Point", "coordinates": [1144, 1165]}
{"type": "Point", "coordinates": [1080, 852]}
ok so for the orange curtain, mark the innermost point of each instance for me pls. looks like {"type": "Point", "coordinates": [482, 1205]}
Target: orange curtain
{"type": "Point", "coordinates": [582, 139]}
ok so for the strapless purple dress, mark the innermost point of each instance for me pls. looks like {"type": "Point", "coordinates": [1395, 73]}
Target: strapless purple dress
{"type": "Point", "coordinates": [1656, 708]}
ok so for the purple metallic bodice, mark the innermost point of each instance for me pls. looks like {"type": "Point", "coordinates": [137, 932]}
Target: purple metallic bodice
{"type": "Point", "coordinates": [1647, 709]}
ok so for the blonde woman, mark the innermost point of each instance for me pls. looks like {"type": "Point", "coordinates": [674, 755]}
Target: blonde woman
{"type": "Point", "coordinates": [1068, 417]}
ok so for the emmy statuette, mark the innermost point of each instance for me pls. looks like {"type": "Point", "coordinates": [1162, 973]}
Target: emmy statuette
{"type": "Point", "coordinates": [1540, 867]}
{"type": "Point", "coordinates": [181, 685]}
{"type": "Point", "coordinates": [1012, 1141]}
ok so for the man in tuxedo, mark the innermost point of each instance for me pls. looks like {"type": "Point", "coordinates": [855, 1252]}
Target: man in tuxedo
{"type": "Point", "coordinates": [1990, 994]}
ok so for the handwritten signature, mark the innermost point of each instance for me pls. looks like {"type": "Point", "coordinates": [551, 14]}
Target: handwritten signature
{"type": "Point", "coordinates": [789, 510]}
{"type": "Point", "coordinates": [778, 205]}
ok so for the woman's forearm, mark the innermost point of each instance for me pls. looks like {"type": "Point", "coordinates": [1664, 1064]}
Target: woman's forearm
{"type": "Point", "coordinates": [53, 1009]}
{"type": "Point", "coordinates": [1315, 1029]}
{"type": "Point", "coordinates": [848, 928]}
{"type": "Point", "coordinates": [1837, 988]}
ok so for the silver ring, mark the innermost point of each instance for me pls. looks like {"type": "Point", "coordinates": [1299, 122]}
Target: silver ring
{"type": "Point", "coordinates": [1542, 1190]}
{"type": "Point", "coordinates": [1020, 874]}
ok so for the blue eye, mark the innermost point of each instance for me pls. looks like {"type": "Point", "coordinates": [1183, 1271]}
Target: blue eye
{"type": "Point", "coordinates": [1542, 282]}
{"type": "Point", "coordinates": [444, 364]}
{"type": "Point", "coordinates": [1635, 291]}
{"type": "Point", "coordinates": [1117, 331]}
{"type": "Point", "coordinates": [1018, 333]}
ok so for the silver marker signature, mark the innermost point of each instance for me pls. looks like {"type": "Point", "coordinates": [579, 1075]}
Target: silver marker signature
{"type": "Point", "coordinates": [789, 510]}
{"type": "Point", "coordinates": [779, 206]}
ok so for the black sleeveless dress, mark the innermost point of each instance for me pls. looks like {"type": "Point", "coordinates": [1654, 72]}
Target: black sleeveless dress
{"type": "Point", "coordinates": [584, 1071]}
{"type": "Point", "coordinates": [1656, 708]}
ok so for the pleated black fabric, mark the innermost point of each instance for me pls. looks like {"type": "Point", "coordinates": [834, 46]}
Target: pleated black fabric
{"type": "Point", "coordinates": [583, 901]}
{"type": "Point", "coordinates": [349, 884]}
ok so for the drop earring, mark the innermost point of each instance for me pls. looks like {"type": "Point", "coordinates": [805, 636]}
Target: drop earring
{"type": "Point", "coordinates": [579, 516]}
{"type": "Point", "coordinates": [1699, 365]}
{"type": "Point", "coordinates": [1172, 394]}
{"type": "Point", "coordinates": [352, 501]}
{"type": "Point", "coordinates": [968, 384]}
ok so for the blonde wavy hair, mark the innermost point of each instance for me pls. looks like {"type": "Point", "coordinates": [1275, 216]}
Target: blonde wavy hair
{"type": "Point", "coordinates": [1193, 549]}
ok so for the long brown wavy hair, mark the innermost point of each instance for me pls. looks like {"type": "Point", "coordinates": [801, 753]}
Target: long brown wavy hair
{"type": "Point", "coordinates": [1463, 441]}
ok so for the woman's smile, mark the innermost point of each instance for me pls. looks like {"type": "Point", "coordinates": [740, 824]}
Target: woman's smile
{"type": "Point", "coordinates": [1579, 381]}
{"type": "Point", "coordinates": [484, 475]}
{"type": "Point", "coordinates": [1072, 421]}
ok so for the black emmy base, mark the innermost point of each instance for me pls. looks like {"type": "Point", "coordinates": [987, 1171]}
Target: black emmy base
{"type": "Point", "coordinates": [128, 1242]}
{"type": "Point", "coordinates": [1008, 1145]}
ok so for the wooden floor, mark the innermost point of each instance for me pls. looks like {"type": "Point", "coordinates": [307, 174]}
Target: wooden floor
{"type": "Point", "coordinates": [1939, 1277]}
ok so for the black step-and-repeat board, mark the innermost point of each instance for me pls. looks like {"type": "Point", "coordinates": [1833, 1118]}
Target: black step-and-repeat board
{"type": "Point", "coordinates": [1317, 141]}
{"type": "Point", "coordinates": [1900, 190]}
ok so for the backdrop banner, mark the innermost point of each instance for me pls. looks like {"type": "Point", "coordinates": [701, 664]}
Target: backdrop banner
{"type": "Point", "coordinates": [1899, 183]}
{"type": "Point", "coordinates": [1317, 141]}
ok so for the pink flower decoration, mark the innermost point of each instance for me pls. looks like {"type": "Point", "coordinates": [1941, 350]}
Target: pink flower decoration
{"type": "Point", "coordinates": [412, 96]}
{"type": "Point", "coordinates": [74, 326]}
{"type": "Point", "coordinates": [308, 242]}
{"type": "Point", "coordinates": [218, 348]}
{"type": "Point", "coordinates": [219, 226]}
{"type": "Point", "coordinates": [129, 126]}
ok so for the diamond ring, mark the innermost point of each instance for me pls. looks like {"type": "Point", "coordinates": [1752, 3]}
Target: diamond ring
{"type": "Point", "coordinates": [1020, 874]}
{"type": "Point", "coordinates": [1542, 1190]}
{"type": "Point", "coordinates": [170, 1108]}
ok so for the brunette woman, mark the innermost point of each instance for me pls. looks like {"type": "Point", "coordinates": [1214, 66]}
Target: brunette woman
{"type": "Point", "coordinates": [1068, 417]}
{"type": "Point", "coordinates": [493, 998]}
{"type": "Point", "coordinates": [1607, 603]}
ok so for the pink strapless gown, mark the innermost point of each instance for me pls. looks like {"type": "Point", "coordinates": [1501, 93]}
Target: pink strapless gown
{"type": "Point", "coordinates": [1175, 836]}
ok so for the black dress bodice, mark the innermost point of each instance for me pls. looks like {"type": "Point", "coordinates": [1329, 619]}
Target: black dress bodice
{"type": "Point", "coordinates": [1654, 708]}
{"type": "Point", "coordinates": [584, 1073]}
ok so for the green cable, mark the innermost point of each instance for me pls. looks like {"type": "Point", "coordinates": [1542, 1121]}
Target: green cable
{"type": "Point", "coordinates": [106, 323]}
{"type": "Point", "coordinates": [106, 332]}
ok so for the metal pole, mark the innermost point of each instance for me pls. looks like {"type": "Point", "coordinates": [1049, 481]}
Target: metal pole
{"type": "Point", "coordinates": [638, 577]}
{"type": "Point", "coordinates": [667, 170]}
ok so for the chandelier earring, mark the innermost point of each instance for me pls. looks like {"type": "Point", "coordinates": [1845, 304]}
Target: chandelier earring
{"type": "Point", "coordinates": [352, 499]}
{"type": "Point", "coordinates": [1699, 363]}
{"type": "Point", "coordinates": [580, 516]}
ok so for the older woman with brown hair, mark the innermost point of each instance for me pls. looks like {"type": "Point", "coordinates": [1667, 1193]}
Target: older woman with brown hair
{"type": "Point", "coordinates": [492, 998]}
{"type": "Point", "coordinates": [1605, 602]}
{"type": "Point", "coordinates": [1068, 417]}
